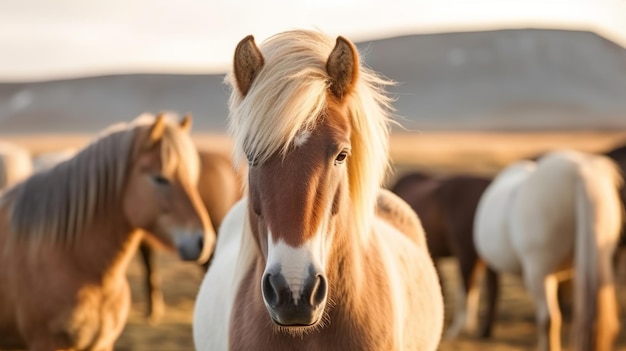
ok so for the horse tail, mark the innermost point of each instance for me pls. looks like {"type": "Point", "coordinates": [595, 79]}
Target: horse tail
{"type": "Point", "coordinates": [598, 221]}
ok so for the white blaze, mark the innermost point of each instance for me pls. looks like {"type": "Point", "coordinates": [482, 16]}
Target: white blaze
{"type": "Point", "coordinates": [294, 262]}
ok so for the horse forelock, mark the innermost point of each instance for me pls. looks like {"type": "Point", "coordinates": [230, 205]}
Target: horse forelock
{"type": "Point", "coordinates": [290, 94]}
{"type": "Point", "coordinates": [56, 205]}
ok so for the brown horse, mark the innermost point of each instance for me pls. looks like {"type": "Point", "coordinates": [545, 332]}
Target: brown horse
{"type": "Point", "coordinates": [446, 206]}
{"type": "Point", "coordinates": [618, 155]}
{"type": "Point", "coordinates": [220, 188]}
{"type": "Point", "coordinates": [68, 233]}
{"type": "Point", "coordinates": [317, 256]}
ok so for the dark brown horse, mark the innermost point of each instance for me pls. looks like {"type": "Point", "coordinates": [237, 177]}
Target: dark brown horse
{"type": "Point", "coordinates": [446, 207]}
{"type": "Point", "coordinates": [618, 155]}
{"type": "Point", "coordinates": [220, 187]}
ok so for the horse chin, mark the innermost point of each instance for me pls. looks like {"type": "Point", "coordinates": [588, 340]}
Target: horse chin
{"type": "Point", "coordinates": [297, 330]}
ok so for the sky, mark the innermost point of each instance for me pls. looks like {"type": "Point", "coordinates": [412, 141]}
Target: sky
{"type": "Point", "coordinates": [51, 39]}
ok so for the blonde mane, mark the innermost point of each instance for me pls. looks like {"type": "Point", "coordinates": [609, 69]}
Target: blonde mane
{"type": "Point", "coordinates": [58, 204]}
{"type": "Point", "coordinates": [290, 94]}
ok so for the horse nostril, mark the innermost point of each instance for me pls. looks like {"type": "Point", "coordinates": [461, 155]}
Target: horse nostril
{"type": "Point", "coordinates": [269, 291]}
{"type": "Point", "coordinates": [200, 242]}
{"type": "Point", "coordinates": [318, 293]}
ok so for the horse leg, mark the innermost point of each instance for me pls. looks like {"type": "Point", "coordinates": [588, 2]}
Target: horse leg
{"type": "Point", "coordinates": [460, 314]}
{"type": "Point", "coordinates": [492, 287]}
{"type": "Point", "coordinates": [468, 297]}
{"type": "Point", "coordinates": [608, 320]}
{"type": "Point", "coordinates": [156, 305]}
{"type": "Point", "coordinates": [543, 289]}
{"type": "Point", "coordinates": [566, 298]}
{"type": "Point", "coordinates": [608, 323]}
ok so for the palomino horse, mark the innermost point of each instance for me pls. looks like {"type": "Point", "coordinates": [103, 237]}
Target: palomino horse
{"type": "Point", "coordinates": [68, 233]}
{"type": "Point", "coordinates": [219, 187]}
{"type": "Point", "coordinates": [317, 256]}
{"type": "Point", "coordinates": [544, 219]}
{"type": "Point", "coordinates": [446, 205]}
{"type": "Point", "coordinates": [15, 164]}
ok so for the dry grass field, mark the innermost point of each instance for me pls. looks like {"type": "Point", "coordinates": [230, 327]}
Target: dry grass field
{"type": "Point", "coordinates": [478, 153]}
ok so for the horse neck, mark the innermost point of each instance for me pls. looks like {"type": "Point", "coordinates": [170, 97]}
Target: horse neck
{"type": "Point", "coordinates": [108, 246]}
{"type": "Point", "coordinates": [346, 264]}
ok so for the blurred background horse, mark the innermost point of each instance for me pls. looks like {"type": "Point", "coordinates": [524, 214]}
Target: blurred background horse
{"type": "Point", "coordinates": [68, 233]}
{"type": "Point", "coordinates": [219, 186]}
{"type": "Point", "coordinates": [547, 218]}
{"type": "Point", "coordinates": [446, 206]}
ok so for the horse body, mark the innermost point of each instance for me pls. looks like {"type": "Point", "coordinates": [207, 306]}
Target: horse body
{"type": "Point", "coordinates": [370, 327]}
{"type": "Point", "coordinates": [317, 254]}
{"type": "Point", "coordinates": [68, 233]}
{"type": "Point", "coordinates": [618, 155]}
{"type": "Point", "coordinates": [545, 220]}
{"type": "Point", "coordinates": [219, 185]}
{"type": "Point", "coordinates": [219, 188]}
{"type": "Point", "coordinates": [383, 325]}
{"type": "Point", "coordinates": [419, 191]}
{"type": "Point", "coordinates": [89, 289]}
{"type": "Point", "coordinates": [498, 248]}
{"type": "Point", "coordinates": [446, 206]}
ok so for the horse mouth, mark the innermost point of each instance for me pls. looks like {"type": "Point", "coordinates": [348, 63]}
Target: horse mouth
{"type": "Point", "coordinates": [295, 326]}
{"type": "Point", "coordinates": [297, 329]}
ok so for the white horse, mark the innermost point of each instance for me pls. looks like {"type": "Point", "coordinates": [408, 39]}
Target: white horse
{"type": "Point", "coordinates": [15, 164]}
{"type": "Point", "coordinates": [542, 220]}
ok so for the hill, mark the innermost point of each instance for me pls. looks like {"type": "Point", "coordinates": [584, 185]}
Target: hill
{"type": "Point", "coordinates": [524, 79]}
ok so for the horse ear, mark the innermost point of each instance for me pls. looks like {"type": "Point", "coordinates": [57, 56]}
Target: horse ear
{"type": "Point", "coordinates": [247, 64]}
{"type": "Point", "coordinates": [157, 130]}
{"type": "Point", "coordinates": [186, 122]}
{"type": "Point", "coordinates": [343, 67]}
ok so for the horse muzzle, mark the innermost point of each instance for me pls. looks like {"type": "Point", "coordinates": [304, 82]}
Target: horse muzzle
{"type": "Point", "coordinates": [295, 305]}
{"type": "Point", "coordinates": [189, 244]}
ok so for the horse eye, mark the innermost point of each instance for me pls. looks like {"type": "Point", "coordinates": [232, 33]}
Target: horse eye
{"type": "Point", "coordinates": [160, 180]}
{"type": "Point", "coordinates": [341, 158]}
